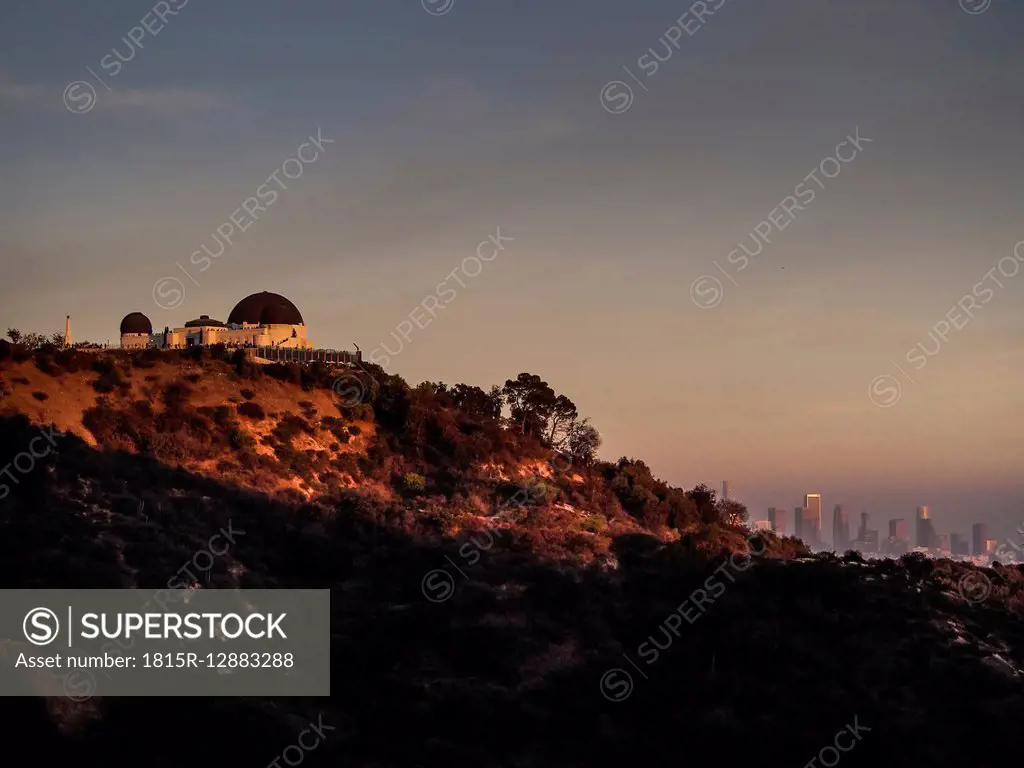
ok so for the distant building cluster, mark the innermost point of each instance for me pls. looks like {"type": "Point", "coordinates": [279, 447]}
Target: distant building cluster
{"type": "Point", "coordinates": [806, 525]}
{"type": "Point", "coordinates": [260, 320]}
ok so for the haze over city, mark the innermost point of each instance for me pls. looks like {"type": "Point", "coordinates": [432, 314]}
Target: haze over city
{"type": "Point", "coordinates": [448, 128]}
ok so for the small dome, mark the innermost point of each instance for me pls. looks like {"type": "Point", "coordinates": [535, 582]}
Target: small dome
{"type": "Point", "coordinates": [204, 321]}
{"type": "Point", "coordinates": [278, 310]}
{"type": "Point", "coordinates": [136, 322]}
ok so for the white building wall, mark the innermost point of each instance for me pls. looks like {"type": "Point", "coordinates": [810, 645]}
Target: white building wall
{"type": "Point", "coordinates": [288, 336]}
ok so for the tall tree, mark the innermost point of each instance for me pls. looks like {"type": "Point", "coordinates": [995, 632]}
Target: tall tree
{"type": "Point", "coordinates": [731, 512]}
{"type": "Point", "coordinates": [583, 441]}
{"type": "Point", "coordinates": [561, 422]}
{"type": "Point", "coordinates": [704, 499]}
{"type": "Point", "coordinates": [480, 405]}
{"type": "Point", "coordinates": [531, 402]}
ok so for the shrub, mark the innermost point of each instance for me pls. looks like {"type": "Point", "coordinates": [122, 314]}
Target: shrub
{"type": "Point", "coordinates": [110, 380]}
{"type": "Point", "coordinates": [241, 440]}
{"type": "Point", "coordinates": [103, 365]}
{"type": "Point", "coordinates": [917, 564]}
{"type": "Point", "coordinates": [147, 358]}
{"type": "Point", "coordinates": [362, 412]}
{"type": "Point", "coordinates": [44, 362]}
{"type": "Point", "coordinates": [171, 447]}
{"type": "Point", "coordinates": [290, 426]}
{"type": "Point", "coordinates": [223, 417]}
{"type": "Point", "coordinates": [109, 425]}
{"type": "Point", "coordinates": [248, 394]}
{"type": "Point", "coordinates": [176, 396]}
{"type": "Point", "coordinates": [414, 483]}
{"type": "Point", "coordinates": [542, 492]}
{"type": "Point", "coordinates": [40, 396]}
{"type": "Point", "coordinates": [71, 360]}
{"type": "Point", "coordinates": [251, 410]}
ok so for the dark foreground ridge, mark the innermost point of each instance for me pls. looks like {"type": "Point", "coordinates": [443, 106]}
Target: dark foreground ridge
{"type": "Point", "coordinates": [513, 668]}
{"type": "Point", "coordinates": [659, 629]}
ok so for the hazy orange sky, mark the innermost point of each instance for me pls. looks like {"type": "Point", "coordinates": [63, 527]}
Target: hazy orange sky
{"type": "Point", "coordinates": [448, 127]}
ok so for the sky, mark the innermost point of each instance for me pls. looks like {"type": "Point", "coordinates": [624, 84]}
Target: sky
{"type": "Point", "coordinates": [841, 357]}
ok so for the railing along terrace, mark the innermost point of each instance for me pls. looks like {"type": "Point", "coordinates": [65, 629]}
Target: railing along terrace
{"type": "Point", "coordinates": [295, 355]}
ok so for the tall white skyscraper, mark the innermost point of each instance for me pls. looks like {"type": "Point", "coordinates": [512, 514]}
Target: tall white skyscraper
{"type": "Point", "coordinates": [840, 528]}
{"type": "Point", "coordinates": [725, 491]}
{"type": "Point", "coordinates": [812, 518]}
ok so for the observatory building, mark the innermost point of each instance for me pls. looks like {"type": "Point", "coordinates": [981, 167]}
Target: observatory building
{"type": "Point", "coordinates": [260, 320]}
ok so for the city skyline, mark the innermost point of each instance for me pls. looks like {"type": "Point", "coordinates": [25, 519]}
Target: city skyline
{"type": "Point", "coordinates": [898, 538]}
{"type": "Point", "coordinates": [954, 514]}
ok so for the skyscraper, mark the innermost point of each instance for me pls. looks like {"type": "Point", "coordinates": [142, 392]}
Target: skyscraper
{"type": "Point", "coordinates": [958, 544]}
{"type": "Point", "coordinates": [925, 537]}
{"type": "Point", "coordinates": [777, 517]}
{"type": "Point", "coordinates": [812, 518]}
{"type": "Point", "coordinates": [870, 541]}
{"type": "Point", "coordinates": [798, 522]}
{"type": "Point", "coordinates": [840, 529]}
{"type": "Point", "coordinates": [725, 491]}
{"type": "Point", "coordinates": [867, 540]}
{"type": "Point", "coordinates": [979, 533]}
{"type": "Point", "coordinates": [899, 537]}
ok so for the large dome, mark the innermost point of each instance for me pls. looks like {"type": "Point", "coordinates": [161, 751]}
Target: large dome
{"type": "Point", "coordinates": [280, 314]}
{"type": "Point", "coordinates": [136, 322]}
{"type": "Point", "coordinates": [265, 308]}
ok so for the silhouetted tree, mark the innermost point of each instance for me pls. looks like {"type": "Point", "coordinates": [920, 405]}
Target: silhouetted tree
{"type": "Point", "coordinates": [477, 404]}
{"type": "Point", "coordinates": [561, 421]}
{"type": "Point", "coordinates": [583, 441]}
{"type": "Point", "coordinates": [531, 402]}
{"type": "Point", "coordinates": [731, 512]}
{"type": "Point", "coordinates": [704, 499]}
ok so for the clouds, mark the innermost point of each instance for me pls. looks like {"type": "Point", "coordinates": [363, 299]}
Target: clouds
{"type": "Point", "coordinates": [81, 96]}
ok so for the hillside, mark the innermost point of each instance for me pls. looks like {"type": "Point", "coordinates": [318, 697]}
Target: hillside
{"type": "Point", "coordinates": [520, 660]}
{"type": "Point", "coordinates": [432, 459]}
